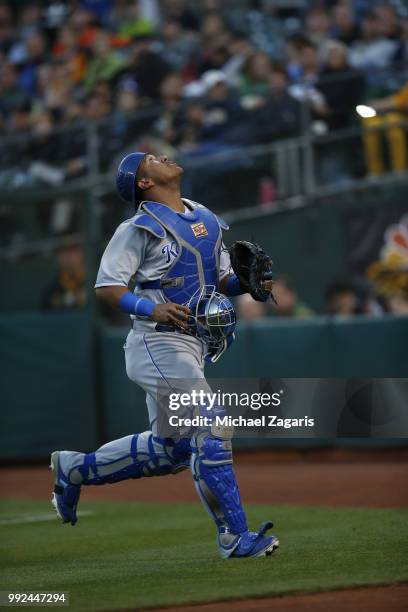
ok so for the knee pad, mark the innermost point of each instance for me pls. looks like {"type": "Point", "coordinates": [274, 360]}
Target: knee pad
{"type": "Point", "coordinates": [218, 428]}
{"type": "Point", "coordinates": [178, 453]}
{"type": "Point", "coordinates": [213, 451]}
{"type": "Point", "coordinates": [182, 451]}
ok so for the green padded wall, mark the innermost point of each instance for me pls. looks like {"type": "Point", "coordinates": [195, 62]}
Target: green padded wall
{"type": "Point", "coordinates": [47, 390]}
{"type": "Point", "coordinates": [64, 386]}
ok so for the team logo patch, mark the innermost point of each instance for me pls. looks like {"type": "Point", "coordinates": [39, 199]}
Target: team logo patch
{"type": "Point", "coordinates": [199, 230]}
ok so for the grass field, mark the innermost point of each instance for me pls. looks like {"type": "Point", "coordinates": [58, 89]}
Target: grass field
{"type": "Point", "coordinates": [139, 555]}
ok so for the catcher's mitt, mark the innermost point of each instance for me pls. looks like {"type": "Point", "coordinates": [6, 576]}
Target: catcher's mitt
{"type": "Point", "coordinates": [252, 266]}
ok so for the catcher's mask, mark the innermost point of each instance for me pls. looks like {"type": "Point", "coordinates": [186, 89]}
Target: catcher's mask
{"type": "Point", "coordinates": [212, 316]}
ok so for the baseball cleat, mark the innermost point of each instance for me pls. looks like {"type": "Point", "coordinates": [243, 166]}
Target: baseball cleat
{"type": "Point", "coordinates": [248, 544]}
{"type": "Point", "coordinates": [66, 495]}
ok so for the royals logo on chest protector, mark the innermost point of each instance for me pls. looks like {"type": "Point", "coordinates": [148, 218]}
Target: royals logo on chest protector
{"type": "Point", "coordinates": [199, 230]}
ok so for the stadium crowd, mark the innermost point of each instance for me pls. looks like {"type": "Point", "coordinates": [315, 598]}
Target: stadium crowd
{"type": "Point", "coordinates": [187, 78]}
{"type": "Point", "coordinates": [191, 78]}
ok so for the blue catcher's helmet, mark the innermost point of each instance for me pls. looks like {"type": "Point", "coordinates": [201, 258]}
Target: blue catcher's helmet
{"type": "Point", "coordinates": [212, 319]}
{"type": "Point", "coordinates": [126, 177]}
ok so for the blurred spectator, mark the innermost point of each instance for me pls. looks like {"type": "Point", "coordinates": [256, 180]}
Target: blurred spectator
{"type": "Point", "coordinates": [307, 56]}
{"type": "Point", "coordinates": [54, 88]}
{"type": "Point", "coordinates": [318, 26]}
{"type": "Point", "coordinates": [276, 115]}
{"type": "Point", "coordinates": [260, 22]}
{"type": "Point", "coordinates": [401, 54]}
{"type": "Point", "coordinates": [341, 299]}
{"type": "Point", "coordinates": [20, 118]}
{"type": "Point", "coordinates": [398, 304]}
{"type": "Point", "coordinates": [11, 92]}
{"type": "Point", "coordinates": [131, 20]}
{"type": "Point", "coordinates": [305, 69]}
{"type": "Point", "coordinates": [7, 32]}
{"type": "Point", "coordinates": [36, 49]}
{"type": "Point", "coordinates": [127, 100]}
{"type": "Point", "coordinates": [341, 85]}
{"type": "Point", "coordinates": [18, 122]}
{"type": "Point", "coordinates": [178, 45]}
{"type": "Point", "coordinates": [178, 10]}
{"type": "Point", "coordinates": [172, 107]}
{"type": "Point", "coordinates": [68, 290]}
{"type": "Point", "coordinates": [249, 309]}
{"type": "Point", "coordinates": [44, 146]}
{"type": "Point", "coordinates": [388, 21]}
{"type": "Point", "coordinates": [369, 303]}
{"type": "Point", "coordinates": [191, 127]}
{"type": "Point", "coordinates": [147, 67]}
{"type": "Point", "coordinates": [391, 110]}
{"type": "Point", "coordinates": [67, 49]}
{"type": "Point", "coordinates": [372, 49]}
{"type": "Point", "coordinates": [53, 16]}
{"type": "Point", "coordinates": [255, 76]}
{"type": "Point", "coordinates": [288, 302]}
{"type": "Point", "coordinates": [105, 63]}
{"type": "Point", "coordinates": [204, 118]}
{"type": "Point", "coordinates": [125, 124]}
{"type": "Point", "coordinates": [214, 51]}
{"type": "Point", "coordinates": [221, 105]}
{"type": "Point", "coordinates": [83, 23]}
{"type": "Point", "coordinates": [344, 27]}
{"type": "Point", "coordinates": [240, 50]}
{"type": "Point", "coordinates": [213, 31]}
{"type": "Point", "coordinates": [171, 92]}
{"type": "Point", "coordinates": [100, 8]}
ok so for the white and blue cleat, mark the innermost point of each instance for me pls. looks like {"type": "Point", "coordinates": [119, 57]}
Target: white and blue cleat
{"type": "Point", "coordinates": [248, 544]}
{"type": "Point", "coordinates": [66, 495]}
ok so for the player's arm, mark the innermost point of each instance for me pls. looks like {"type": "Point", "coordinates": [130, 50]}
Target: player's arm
{"type": "Point", "coordinates": [120, 297]}
{"type": "Point", "coordinates": [228, 282]}
{"type": "Point", "coordinates": [121, 258]}
{"type": "Point", "coordinates": [230, 285]}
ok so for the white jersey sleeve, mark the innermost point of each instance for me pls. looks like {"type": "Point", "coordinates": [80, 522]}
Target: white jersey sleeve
{"type": "Point", "coordinates": [225, 263]}
{"type": "Point", "coordinates": [122, 256]}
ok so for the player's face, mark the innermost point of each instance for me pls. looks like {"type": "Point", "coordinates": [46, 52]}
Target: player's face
{"type": "Point", "coordinates": [161, 169]}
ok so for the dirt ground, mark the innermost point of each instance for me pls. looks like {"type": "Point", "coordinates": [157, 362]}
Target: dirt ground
{"type": "Point", "coordinates": [376, 479]}
{"type": "Point", "coordinates": [375, 599]}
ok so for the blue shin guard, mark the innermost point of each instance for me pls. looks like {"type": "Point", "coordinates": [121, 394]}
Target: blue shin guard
{"type": "Point", "coordinates": [130, 457]}
{"type": "Point", "coordinates": [215, 479]}
{"type": "Point", "coordinates": [216, 484]}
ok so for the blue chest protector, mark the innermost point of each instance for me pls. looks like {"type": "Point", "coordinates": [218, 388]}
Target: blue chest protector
{"type": "Point", "coordinates": [198, 236]}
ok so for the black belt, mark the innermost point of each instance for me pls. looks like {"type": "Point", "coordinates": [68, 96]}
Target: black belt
{"type": "Point", "coordinates": [163, 328]}
{"type": "Point", "coordinates": [162, 283]}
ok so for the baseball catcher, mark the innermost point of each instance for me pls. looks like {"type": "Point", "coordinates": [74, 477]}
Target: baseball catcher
{"type": "Point", "coordinates": [181, 319]}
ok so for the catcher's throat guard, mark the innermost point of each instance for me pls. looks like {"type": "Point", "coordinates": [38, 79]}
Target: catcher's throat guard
{"type": "Point", "coordinates": [212, 320]}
